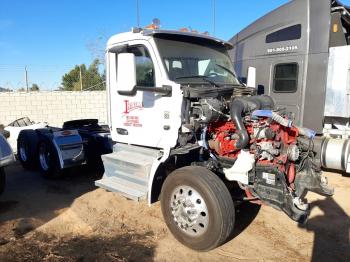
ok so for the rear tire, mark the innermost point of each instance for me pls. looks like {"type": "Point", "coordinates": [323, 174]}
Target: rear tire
{"type": "Point", "coordinates": [27, 143]}
{"type": "Point", "coordinates": [197, 208]}
{"type": "Point", "coordinates": [2, 179]}
{"type": "Point", "coordinates": [48, 160]}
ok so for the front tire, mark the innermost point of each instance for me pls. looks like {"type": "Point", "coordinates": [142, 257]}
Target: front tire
{"type": "Point", "coordinates": [197, 208]}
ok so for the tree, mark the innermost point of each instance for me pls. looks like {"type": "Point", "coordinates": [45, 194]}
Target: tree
{"type": "Point", "coordinates": [34, 87]}
{"type": "Point", "coordinates": [96, 47]}
{"type": "Point", "coordinates": [72, 77]}
{"type": "Point", "coordinates": [91, 78]}
{"type": "Point", "coordinates": [2, 89]}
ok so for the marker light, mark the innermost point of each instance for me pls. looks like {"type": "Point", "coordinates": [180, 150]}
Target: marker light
{"type": "Point", "coordinates": [155, 24]}
{"type": "Point", "coordinates": [66, 133]}
{"type": "Point", "coordinates": [151, 27]}
{"type": "Point", "coordinates": [335, 28]}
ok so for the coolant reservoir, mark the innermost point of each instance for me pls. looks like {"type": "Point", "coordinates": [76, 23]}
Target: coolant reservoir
{"type": "Point", "coordinates": [239, 171]}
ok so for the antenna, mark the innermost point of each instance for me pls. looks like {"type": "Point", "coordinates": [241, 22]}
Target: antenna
{"type": "Point", "coordinates": [138, 13]}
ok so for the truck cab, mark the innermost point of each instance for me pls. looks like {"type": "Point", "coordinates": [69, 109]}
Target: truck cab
{"type": "Point", "coordinates": [145, 96]}
{"type": "Point", "coordinates": [301, 55]}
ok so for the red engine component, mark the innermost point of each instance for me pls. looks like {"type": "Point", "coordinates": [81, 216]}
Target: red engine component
{"type": "Point", "coordinates": [224, 135]}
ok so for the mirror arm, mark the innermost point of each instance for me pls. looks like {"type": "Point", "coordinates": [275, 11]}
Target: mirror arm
{"type": "Point", "coordinates": [164, 90]}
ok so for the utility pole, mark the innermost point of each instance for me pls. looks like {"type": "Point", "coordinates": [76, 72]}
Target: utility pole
{"type": "Point", "coordinates": [26, 77]}
{"type": "Point", "coordinates": [138, 13]}
{"type": "Point", "coordinates": [214, 16]}
{"type": "Point", "coordinates": [81, 79]}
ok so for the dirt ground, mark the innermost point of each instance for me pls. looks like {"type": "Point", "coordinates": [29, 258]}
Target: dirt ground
{"type": "Point", "coordinates": [71, 220]}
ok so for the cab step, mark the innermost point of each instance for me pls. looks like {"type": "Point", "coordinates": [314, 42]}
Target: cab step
{"type": "Point", "coordinates": [127, 170]}
{"type": "Point", "coordinates": [125, 188]}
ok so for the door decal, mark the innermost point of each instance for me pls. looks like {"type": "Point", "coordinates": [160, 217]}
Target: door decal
{"type": "Point", "coordinates": [132, 121]}
{"type": "Point", "coordinates": [131, 106]}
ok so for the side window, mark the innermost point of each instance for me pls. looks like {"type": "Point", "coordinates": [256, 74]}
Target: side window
{"type": "Point", "coordinates": [285, 34]}
{"type": "Point", "coordinates": [285, 78]}
{"type": "Point", "coordinates": [144, 66]}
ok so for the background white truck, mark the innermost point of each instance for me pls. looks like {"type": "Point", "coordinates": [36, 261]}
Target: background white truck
{"type": "Point", "coordinates": [184, 130]}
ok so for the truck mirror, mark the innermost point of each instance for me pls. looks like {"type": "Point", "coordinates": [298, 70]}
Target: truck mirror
{"type": "Point", "coordinates": [251, 79]}
{"type": "Point", "coordinates": [126, 72]}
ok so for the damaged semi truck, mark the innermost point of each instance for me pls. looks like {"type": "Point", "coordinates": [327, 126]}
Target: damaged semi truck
{"type": "Point", "coordinates": [300, 56]}
{"type": "Point", "coordinates": [186, 132]}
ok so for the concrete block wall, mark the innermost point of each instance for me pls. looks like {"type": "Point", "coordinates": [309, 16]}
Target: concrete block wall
{"type": "Point", "coordinates": [53, 107]}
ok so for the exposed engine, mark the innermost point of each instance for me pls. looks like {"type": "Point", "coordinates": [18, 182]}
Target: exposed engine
{"type": "Point", "coordinates": [272, 161]}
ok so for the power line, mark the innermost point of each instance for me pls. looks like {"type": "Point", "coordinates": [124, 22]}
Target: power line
{"type": "Point", "coordinates": [214, 16]}
{"type": "Point", "coordinates": [26, 77]}
{"type": "Point", "coordinates": [81, 79]}
{"type": "Point", "coordinates": [138, 13]}
{"type": "Point", "coordinates": [90, 87]}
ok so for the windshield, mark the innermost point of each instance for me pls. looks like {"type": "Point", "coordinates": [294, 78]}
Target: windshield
{"type": "Point", "coordinates": [188, 62]}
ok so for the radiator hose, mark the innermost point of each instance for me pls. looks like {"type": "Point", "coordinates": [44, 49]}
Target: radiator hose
{"type": "Point", "coordinates": [237, 109]}
{"type": "Point", "coordinates": [303, 131]}
{"type": "Point", "coordinates": [274, 116]}
{"type": "Point", "coordinates": [243, 105]}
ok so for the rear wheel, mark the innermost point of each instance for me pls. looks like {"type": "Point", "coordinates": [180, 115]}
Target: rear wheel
{"type": "Point", "coordinates": [48, 159]}
{"type": "Point", "coordinates": [197, 208]}
{"type": "Point", "coordinates": [2, 179]}
{"type": "Point", "coordinates": [27, 148]}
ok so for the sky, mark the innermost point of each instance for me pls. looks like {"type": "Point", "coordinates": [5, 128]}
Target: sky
{"type": "Point", "coordinates": [50, 37]}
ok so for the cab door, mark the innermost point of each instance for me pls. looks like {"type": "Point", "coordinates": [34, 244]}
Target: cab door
{"type": "Point", "coordinates": [144, 117]}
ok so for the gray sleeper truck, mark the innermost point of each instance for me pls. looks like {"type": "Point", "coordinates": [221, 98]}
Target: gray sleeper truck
{"type": "Point", "coordinates": [301, 56]}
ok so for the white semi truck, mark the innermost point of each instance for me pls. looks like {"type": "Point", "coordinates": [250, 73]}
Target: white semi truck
{"type": "Point", "coordinates": [183, 130]}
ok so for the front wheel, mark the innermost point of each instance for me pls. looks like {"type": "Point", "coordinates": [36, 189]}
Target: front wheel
{"type": "Point", "coordinates": [197, 208]}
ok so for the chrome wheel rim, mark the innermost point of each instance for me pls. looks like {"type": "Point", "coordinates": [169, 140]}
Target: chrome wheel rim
{"type": "Point", "coordinates": [189, 211]}
{"type": "Point", "coordinates": [44, 157]}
